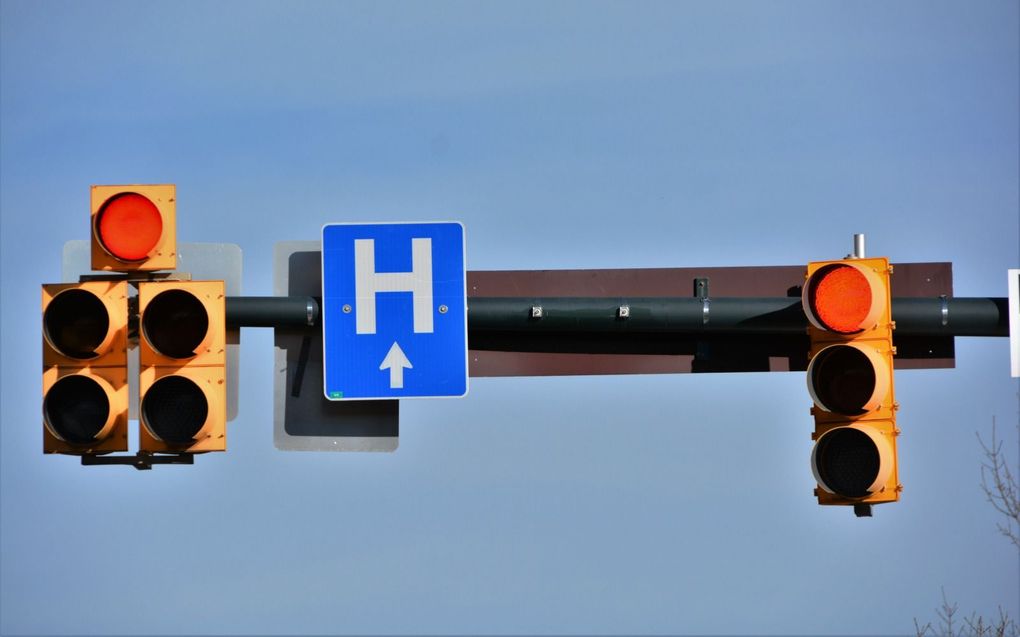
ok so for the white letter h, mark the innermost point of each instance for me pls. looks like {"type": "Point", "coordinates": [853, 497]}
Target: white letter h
{"type": "Point", "coordinates": [367, 282]}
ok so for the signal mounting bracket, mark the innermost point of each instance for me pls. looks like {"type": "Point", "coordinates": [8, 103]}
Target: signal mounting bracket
{"type": "Point", "coordinates": [701, 287]}
{"type": "Point", "coordinates": [135, 277]}
{"type": "Point", "coordinates": [703, 349]}
{"type": "Point", "coordinates": [142, 461]}
{"type": "Point", "coordinates": [862, 510]}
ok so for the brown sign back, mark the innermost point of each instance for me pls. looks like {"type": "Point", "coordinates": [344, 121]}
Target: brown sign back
{"type": "Point", "coordinates": [557, 355]}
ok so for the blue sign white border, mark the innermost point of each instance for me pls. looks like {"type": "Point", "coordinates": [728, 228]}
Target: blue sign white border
{"type": "Point", "coordinates": [467, 352]}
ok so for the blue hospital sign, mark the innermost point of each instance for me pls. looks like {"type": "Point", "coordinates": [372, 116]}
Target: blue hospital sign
{"type": "Point", "coordinates": [394, 310]}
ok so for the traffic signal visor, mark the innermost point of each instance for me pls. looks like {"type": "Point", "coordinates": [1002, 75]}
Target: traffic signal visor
{"type": "Point", "coordinates": [134, 228]}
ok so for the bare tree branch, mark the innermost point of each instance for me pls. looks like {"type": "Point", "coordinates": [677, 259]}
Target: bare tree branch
{"type": "Point", "coordinates": [973, 626]}
{"type": "Point", "coordinates": [1000, 486]}
{"type": "Point", "coordinates": [999, 483]}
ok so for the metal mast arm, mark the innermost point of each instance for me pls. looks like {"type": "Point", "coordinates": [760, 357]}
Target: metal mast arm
{"type": "Point", "coordinates": [685, 315]}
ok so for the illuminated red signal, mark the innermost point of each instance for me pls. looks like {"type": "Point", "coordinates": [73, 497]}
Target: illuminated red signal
{"type": "Point", "coordinates": [133, 228]}
{"type": "Point", "coordinates": [844, 298]}
{"type": "Point", "coordinates": [129, 226]}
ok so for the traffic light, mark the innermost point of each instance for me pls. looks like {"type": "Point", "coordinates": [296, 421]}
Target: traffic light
{"type": "Point", "coordinates": [134, 228]}
{"type": "Point", "coordinates": [850, 378]}
{"type": "Point", "coordinates": [182, 362]}
{"type": "Point", "coordinates": [85, 388]}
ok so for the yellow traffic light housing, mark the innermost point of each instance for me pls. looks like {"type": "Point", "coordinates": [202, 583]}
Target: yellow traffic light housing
{"type": "Point", "coordinates": [182, 360]}
{"type": "Point", "coordinates": [134, 228]}
{"type": "Point", "coordinates": [85, 388]}
{"type": "Point", "coordinates": [850, 379]}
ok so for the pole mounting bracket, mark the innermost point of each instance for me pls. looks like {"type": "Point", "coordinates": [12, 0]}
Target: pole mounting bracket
{"type": "Point", "coordinates": [142, 460]}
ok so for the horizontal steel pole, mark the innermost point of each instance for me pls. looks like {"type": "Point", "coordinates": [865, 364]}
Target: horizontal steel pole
{"type": "Point", "coordinates": [750, 315]}
{"type": "Point", "coordinates": [643, 314]}
{"type": "Point", "coordinates": [682, 315]}
{"type": "Point", "coordinates": [976, 316]}
{"type": "Point", "coordinates": [272, 311]}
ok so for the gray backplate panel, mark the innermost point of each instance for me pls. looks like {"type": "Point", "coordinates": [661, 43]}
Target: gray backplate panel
{"type": "Point", "coordinates": [303, 419]}
{"type": "Point", "coordinates": [205, 262]}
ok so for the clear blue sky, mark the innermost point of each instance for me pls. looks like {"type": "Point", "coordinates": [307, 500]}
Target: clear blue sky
{"type": "Point", "coordinates": [563, 135]}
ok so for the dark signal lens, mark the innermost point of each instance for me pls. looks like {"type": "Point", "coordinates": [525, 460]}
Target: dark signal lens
{"type": "Point", "coordinates": [129, 226]}
{"type": "Point", "coordinates": [175, 323]}
{"type": "Point", "coordinates": [848, 462]}
{"type": "Point", "coordinates": [175, 409]}
{"type": "Point", "coordinates": [75, 323]}
{"type": "Point", "coordinates": [843, 379]}
{"type": "Point", "coordinates": [76, 408]}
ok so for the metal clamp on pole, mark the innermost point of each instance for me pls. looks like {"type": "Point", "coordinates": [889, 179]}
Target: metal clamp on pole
{"type": "Point", "coordinates": [701, 291]}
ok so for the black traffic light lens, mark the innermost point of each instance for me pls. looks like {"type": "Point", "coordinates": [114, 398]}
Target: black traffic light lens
{"type": "Point", "coordinates": [76, 323]}
{"type": "Point", "coordinates": [175, 323]}
{"type": "Point", "coordinates": [847, 461]}
{"type": "Point", "coordinates": [843, 379]}
{"type": "Point", "coordinates": [76, 408]}
{"type": "Point", "coordinates": [174, 409]}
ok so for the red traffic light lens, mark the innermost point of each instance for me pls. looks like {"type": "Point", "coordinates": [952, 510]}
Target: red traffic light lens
{"type": "Point", "coordinates": [129, 226]}
{"type": "Point", "coordinates": [840, 298]}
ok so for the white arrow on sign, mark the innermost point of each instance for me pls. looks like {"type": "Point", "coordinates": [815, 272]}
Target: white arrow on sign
{"type": "Point", "coordinates": [396, 361]}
